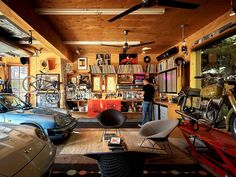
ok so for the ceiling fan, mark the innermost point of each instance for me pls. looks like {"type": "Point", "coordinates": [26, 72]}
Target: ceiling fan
{"type": "Point", "coordinates": [150, 3]}
{"type": "Point", "coordinates": [126, 46]}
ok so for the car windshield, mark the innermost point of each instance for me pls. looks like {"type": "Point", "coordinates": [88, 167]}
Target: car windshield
{"type": "Point", "coordinates": [11, 102]}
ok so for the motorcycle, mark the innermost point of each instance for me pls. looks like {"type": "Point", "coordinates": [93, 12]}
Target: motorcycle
{"type": "Point", "coordinates": [214, 105]}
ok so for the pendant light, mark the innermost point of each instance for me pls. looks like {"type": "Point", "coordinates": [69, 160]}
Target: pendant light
{"type": "Point", "coordinates": [233, 9]}
{"type": "Point", "coordinates": [184, 48]}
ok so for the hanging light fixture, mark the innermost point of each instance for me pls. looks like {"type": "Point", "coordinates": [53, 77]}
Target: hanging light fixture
{"type": "Point", "coordinates": [78, 51]}
{"type": "Point", "coordinates": [184, 48]}
{"type": "Point", "coordinates": [233, 9]}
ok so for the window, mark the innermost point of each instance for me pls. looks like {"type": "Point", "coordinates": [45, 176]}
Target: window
{"type": "Point", "coordinates": [219, 58]}
{"type": "Point", "coordinates": [17, 75]}
{"type": "Point", "coordinates": [168, 81]}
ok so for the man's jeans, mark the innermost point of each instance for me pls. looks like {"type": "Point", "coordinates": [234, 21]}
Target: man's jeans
{"type": "Point", "coordinates": [146, 109]}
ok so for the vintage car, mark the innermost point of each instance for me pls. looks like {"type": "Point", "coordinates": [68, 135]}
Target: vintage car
{"type": "Point", "coordinates": [56, 125]}
{"type": "Point", "coordinates": [25, 151]}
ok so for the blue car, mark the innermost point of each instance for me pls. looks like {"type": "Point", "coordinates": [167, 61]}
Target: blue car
{"type": "Point", "coordinates": [56, 125]}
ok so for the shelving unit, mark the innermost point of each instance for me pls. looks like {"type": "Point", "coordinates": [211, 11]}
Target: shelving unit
{"type": "Point", "coordinates": [125, 85]}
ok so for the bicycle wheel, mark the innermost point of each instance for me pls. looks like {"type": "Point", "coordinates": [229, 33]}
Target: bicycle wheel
{"type": "Point", "coordinates": [52, 96]}
{"type": "Point", "coordinates": [30, 84]}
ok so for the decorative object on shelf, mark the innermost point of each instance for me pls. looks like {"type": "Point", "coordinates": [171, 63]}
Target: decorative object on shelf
{"type": "Point", "coordinates": [103, 59]}
{"type": "Point", "coordinates": [128, 59]}
{"type": "Point", "coordinates": [125, 79]}
{"type": "Point", "coordinates": [147, 59]}
{"type": "Point", "coordinates": [82, 63]}
{"type": "Point", "coordinates": [184, 48]}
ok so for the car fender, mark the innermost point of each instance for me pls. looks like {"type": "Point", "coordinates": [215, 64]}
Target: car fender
{"type": "Point", "coordinates": [229, 114]}
{"type": "Point", "coordinates": [45, 121]}
{"type": "Point", "coordinates": [31, 123]}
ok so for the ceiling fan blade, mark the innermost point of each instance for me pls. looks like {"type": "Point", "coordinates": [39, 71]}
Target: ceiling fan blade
{"type": "Point", "coordinates": [136, 7]}
{"type": "Point", "coordinates": [111, 45]}
{"type": "Point", "coordinates": [125, 50]}
{"type": "Point", "coordinates": [146, 43]}
{"type": "Point", "coordinates": [177, 4]}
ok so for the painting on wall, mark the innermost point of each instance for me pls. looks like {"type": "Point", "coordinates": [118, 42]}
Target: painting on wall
{"type": "Point", "coordinates": [82, 63]}
{"type": "Point", "coordinates": [103, 59]}
{"type": "Point", "coordinates": [128, 59]}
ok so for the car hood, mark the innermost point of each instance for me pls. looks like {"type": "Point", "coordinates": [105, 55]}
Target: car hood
{"type": "Point", "coordinates": [30, 113]}
{"type": "Point", "coordinates": [17, 149]}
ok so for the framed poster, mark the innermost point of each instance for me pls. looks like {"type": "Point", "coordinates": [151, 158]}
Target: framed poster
{"type": "Point", "coordinates": [96, 83]}
{"type": "Point", "coordinates": [128, 59]}
{"type": "Point", "coordinates": [111, 83]}
{"type": "Point", "coordinates": [103, 59]}
{"type": "Point", "coordinates": [82, 63]}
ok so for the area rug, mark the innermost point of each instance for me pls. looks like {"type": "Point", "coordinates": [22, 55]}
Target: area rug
{"type": "Point", "coordinates": [84, 141]}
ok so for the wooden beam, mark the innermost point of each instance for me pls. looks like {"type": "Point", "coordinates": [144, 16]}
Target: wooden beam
{"type": "Point", "coordinates": [22, 14]}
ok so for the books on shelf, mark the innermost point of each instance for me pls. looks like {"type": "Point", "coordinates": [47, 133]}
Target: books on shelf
{"type": "Point", "coordinates": [151, 68]}
{"type": "Point", "coordinates": [109, 69]}
{"type": "Point", "coordinates": [130, 69]}
{"type": "Point", "coordinates": [95, 69]}
{"type": "Point", "coordinates": [137, 68]}
{"type": "Point", "coordinates": [125, 69]}
{"type": "Point", "coordinates": [166, 64]}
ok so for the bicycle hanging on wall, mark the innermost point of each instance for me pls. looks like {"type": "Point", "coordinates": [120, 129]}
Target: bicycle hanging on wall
{"type": "Point", "coordinates": [48, 84]}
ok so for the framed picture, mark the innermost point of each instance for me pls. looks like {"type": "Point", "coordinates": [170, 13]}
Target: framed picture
{"type": "Point", "coordinates": [103, 59]}
{"type": "Point", "coordinates": [47, 81]}
{"type": "Point", "coordinates": [128, 59]}
{"type": "Point", "coordinates": [82, 63]}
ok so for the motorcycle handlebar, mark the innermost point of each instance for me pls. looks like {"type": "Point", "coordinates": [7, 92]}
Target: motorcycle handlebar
{"type": "Point", "coordinates": [199, 77]}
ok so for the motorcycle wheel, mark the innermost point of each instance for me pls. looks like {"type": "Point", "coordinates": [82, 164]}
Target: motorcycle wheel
{"type": "Point", "coordinates": [233, 125]}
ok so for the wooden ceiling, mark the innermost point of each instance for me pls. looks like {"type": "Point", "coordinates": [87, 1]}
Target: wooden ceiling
{"type": "Point", "coordinates": [163, 29]}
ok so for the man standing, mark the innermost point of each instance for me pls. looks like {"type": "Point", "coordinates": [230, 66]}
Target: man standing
{"type": "Point", "coordinates": [147, 101]}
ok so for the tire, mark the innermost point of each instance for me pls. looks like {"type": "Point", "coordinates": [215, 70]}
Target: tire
{"type": "Point", "coordinates": [233, 125]}
{"type": "Point", "coordinates": [30, 84]}
{"type": "Point", "coordinates": [52, 96]}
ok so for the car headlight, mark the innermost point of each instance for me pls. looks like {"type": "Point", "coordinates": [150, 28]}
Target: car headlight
{"type": "Point", "coordinates": [62, 121]}
{"type": "Point", "coordinates": [41, 134]}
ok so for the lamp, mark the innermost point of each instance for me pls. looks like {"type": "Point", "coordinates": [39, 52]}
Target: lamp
{"type": "Point", "coordinates": [78, 51]}
{"type": "Point", "coordinates": [233, 9]}
{"type": "Point", "coordinates": [184, 48]}
{"type": "Point", "coordinates": [115, 11]}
